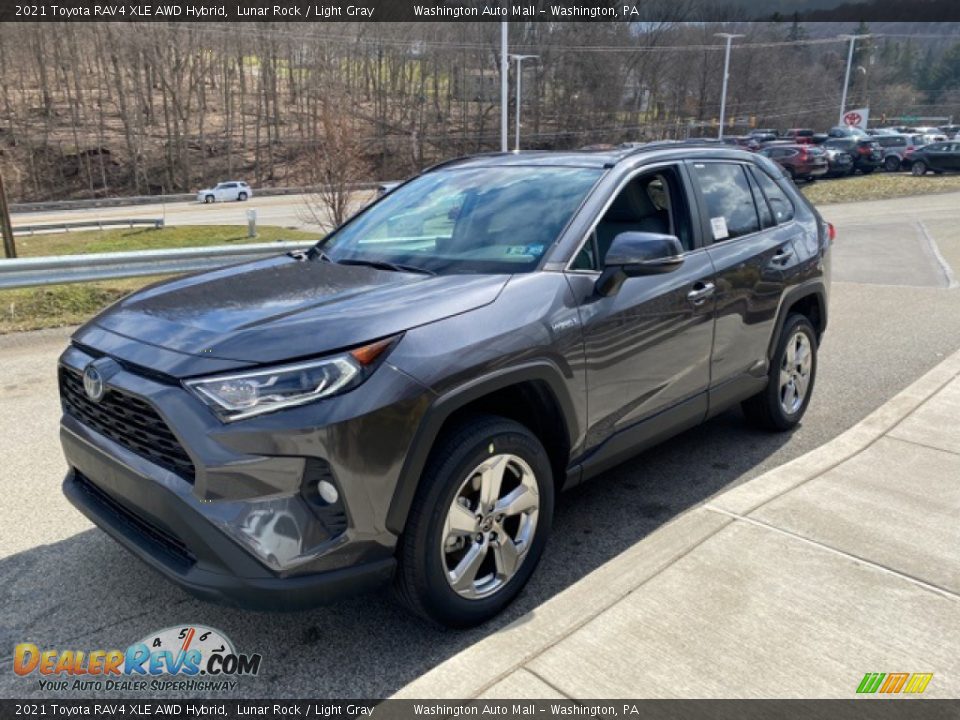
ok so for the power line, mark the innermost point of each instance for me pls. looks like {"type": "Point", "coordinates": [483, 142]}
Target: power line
{"type": "Point", "coordinates": [562, 49]}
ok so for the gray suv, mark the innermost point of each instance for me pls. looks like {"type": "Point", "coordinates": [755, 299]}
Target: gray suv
{"type": "Point", "coordinates": [402, 402]}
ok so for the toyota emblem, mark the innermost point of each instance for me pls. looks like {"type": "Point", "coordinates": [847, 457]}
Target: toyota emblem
{"type": "Point", "coordinates": [93, 383]}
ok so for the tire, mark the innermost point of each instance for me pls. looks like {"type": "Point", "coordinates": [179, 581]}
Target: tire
{"type": "Point", "coordinates": [918, 168]}
{"type": "Point", "coordinates": [768, 409]}
{"type": "Point", "coordinates": [208, 199]}
{"type": "Point", "coordinates": [892, 163]}
{"type": "Point", "coordinates": [423, 579]}
{"type": "Point", "coordinates": [242, 197]}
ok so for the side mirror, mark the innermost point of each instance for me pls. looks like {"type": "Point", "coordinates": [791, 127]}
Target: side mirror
{"type": "Point", "coordinates": [633, 254]}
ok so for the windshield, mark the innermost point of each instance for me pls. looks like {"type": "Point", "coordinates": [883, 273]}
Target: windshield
{"type": "Point", "coordinates": [466, 220]}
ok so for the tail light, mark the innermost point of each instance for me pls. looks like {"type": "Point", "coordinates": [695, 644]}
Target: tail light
{"type": "Point", "coordinates": [831, 232]}
{"type": "Point", "coordinates": [865, 150]}
{"type": "Point", "coordinates": [804, 154]}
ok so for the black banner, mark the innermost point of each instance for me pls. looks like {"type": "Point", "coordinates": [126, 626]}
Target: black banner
{"type": "Point", "coordinates": [862, 709]}
{"type": "Point", "coordinates": [476, 10]}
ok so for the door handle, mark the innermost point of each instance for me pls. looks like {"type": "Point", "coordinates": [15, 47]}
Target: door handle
{"type": "Point", "coordinates": [701, 291]}
{"type": "Point", "coordinates": [782, 255]}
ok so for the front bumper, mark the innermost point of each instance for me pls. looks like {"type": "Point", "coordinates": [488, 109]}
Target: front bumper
{"type": "Point", "coordinates": [244, 529]}
{"type": "Point", "coordinates": [177, 560]}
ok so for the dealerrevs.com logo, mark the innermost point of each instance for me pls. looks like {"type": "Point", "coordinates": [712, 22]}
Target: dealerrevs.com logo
{"type": "Point", "coordinates": [183, 658]}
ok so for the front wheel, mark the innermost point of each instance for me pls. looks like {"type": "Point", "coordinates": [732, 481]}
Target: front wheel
{"type": "Point", "coordinates": [892, 163]}
{"type": "Point", "coordinates": [478, 523]}
{"type": "Point", "coordinates": [918, 168]}
{"type": "Point", "coordinates": [793, 369]}
{"type": "Point", "coordinates": [241, 197]}
{"type": "Point", "coordinates": [208, 199]}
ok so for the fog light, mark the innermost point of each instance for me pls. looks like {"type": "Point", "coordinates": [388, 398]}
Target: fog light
{"type": "Point", "coordinates": [327, 491]}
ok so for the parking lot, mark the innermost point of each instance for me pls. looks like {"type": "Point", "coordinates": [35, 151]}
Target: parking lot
{"type": "Point", "coordinates": [895, 312]}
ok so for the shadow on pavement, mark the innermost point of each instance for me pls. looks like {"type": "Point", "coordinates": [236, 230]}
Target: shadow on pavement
{"type": "Point", "coordinates": [88, 593]}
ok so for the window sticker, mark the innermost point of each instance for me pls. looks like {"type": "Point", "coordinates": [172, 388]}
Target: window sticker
{"type": "Point", "coordinates": [719, 226]}
{"type": "Point", "coordinates": [536, 249]}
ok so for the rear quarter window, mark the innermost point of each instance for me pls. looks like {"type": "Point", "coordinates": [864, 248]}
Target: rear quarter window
{"type": "Point", "coordinates": [780, 202]}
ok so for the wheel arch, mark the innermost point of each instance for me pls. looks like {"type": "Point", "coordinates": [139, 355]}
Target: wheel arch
{"type": "Point", "coordinates": [534, 394]}
{"type": "Point", "coordinates": [808, 300]}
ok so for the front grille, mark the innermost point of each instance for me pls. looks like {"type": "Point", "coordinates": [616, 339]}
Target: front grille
{"type": "Point", "coordinates": [128, 421]}
{"type": "Point", "coordinates": [171, 547]}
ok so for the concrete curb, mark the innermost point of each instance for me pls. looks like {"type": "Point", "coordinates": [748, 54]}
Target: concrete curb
{"type": "Point", "coordinates": [476, 669]}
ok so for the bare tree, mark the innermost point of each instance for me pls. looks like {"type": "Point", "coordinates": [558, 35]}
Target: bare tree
{"type": "Point", "coordinates": [338, 159]}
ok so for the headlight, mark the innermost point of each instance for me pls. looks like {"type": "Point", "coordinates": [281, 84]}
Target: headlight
{"type": "Point", "coordinates": [241, 395]}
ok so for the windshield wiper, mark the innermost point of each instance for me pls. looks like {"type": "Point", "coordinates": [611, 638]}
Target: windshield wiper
{"type": "Point", "coordinates": [313, 253]}
{"type": "Point", "coordinates": [384, 265]}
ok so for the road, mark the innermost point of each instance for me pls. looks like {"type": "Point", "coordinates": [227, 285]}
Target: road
{"type": "Point", "coordinates": [895, 312]}
{"type": "Point", "coordinates": [288, 211]}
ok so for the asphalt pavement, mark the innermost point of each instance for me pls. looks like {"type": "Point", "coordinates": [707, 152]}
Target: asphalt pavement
{"type": "Point", "coordinates": [65, 584]}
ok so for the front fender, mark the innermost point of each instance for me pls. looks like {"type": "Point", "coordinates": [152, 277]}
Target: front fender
{"type": "Point", "coordinates": [445, 405]}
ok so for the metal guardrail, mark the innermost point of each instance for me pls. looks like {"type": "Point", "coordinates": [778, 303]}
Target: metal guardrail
{"type": "Point", "coordinates": [156, 223]}
{"type": "Point", "coordinates": [34, 272]}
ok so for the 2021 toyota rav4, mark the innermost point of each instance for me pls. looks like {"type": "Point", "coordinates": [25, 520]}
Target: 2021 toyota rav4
{"type": "Point", "coordinates": [403, 401]}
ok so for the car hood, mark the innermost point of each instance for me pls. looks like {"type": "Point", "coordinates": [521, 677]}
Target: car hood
{"type": "Point", "coordinates": [284, 308]}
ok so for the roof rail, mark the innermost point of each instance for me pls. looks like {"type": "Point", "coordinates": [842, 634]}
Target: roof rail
{"type": "Point", "coordinates": [666, 144]}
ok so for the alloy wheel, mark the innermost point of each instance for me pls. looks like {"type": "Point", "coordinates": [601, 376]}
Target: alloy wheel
{"type": "Point", "coordinates": [490, 526]}
{"type": "Point", "coordinates": [795, 372]}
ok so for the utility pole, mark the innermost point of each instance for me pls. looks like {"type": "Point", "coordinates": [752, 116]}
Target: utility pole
{"type": "Point", "coordinates": [9, 247]}
{"type": "Point", "coordinates": [519, 59]}
{"type": "Point", "coordinates": [846, 80]}
{"type": "Point", "coordinates": [726, 76]}
{"type": "Point", "coordinates": [504, 80]}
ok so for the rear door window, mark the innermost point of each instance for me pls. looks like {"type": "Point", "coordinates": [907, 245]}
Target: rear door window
{"type": "Point", "coordinates": [729, 202]}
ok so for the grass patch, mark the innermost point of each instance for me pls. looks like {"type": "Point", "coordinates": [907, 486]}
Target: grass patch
{"type": "Point", "coordinates": [60, 305]}
{"type": "Point", "coordinates": [878, 186]}
{"type": "Point", "coordinates": [124, 239]}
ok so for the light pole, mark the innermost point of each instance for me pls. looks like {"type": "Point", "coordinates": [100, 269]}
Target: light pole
{"type": "Point", "coordinates": [519, 59]}
{"type": "Point", "coordinates": [504, 94]}
{"type": "Point", "coordinates": [846, 80]}
{"type": "Point", "coordinates": [726, 76]}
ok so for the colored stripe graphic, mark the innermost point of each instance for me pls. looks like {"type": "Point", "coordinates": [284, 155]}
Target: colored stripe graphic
{"type": "Point", "coordinates": [918, 682]}
{"type": "Point", "coordinates": [870, 682]}
{"type": "Point", "coordinates": [894, 682]}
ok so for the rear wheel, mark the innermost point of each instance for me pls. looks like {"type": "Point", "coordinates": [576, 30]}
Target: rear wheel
{"type": "Point", "coordinates": [478, 523]}
{"type": "Point", "coordinates": [242, 196]}
{"type": "Point", "coordinates": [892, 163]}
{"type": "Point", "coordinates": [793, 369]}
{"type": "Point", "coordinates": [208, 199]}
{"type": "Point", "coordinates": [919, 167]}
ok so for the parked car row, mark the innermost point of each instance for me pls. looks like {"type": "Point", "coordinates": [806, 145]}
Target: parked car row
{"type": "Point", "coordinates": [807, 155]}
